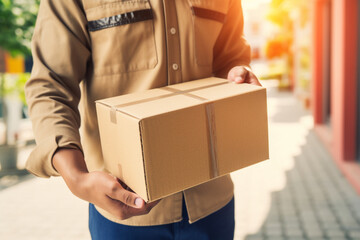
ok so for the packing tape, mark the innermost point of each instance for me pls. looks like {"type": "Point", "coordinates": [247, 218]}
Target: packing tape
{"type": "Point", "coordinates": [172, 91]}
{"type": "Point", "coordinates": [211, 126]}
{"type": "Point", "coordinates": [186, 93]}
{"type": "Point", "coordinates": [210, 116]}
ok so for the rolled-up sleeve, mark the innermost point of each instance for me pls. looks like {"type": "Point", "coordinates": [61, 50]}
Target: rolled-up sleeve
{"type": "Point", "coordinates": [61, 51]}
{"type": "Point", "coordinates": [231, 48]}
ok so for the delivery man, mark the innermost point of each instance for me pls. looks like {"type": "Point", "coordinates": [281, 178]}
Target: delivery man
{"type": "Point", "coordinates": [85, 50]}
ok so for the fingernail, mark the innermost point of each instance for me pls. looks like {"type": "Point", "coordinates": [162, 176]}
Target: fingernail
{"type": "Point", "coordinates": [138, 202]}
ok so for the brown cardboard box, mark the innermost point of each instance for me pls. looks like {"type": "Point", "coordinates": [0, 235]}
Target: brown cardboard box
{"type": "Point", "coordinates": [165, 140]}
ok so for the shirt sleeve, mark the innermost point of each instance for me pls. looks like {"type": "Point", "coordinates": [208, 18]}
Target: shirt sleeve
{"type": "Point", "coordinates": [231, 49]}
{"type": "Point", "coordinates": [60, 49]}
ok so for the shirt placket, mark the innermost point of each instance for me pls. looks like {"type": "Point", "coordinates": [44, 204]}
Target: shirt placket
{"type": "Point", "coordinates": [173, 42]}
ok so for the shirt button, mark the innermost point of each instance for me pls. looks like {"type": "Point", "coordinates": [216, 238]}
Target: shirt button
{"type": "Point", "coordinates": [172, 31]}
{"type": "Point", "coordinates": [175, 66]}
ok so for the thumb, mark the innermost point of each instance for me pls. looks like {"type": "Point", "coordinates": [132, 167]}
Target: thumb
{"type": "Point", "coordinates": [126, 197]}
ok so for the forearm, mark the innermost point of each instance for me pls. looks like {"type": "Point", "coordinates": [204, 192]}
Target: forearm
{"type": "Point", "coordinates": [71, 165]}
{"type": "Point", "coordinates": [60, 50]}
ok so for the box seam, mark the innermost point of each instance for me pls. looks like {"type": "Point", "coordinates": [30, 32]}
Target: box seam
{"type": "Point", "coordinates": [143, 158]}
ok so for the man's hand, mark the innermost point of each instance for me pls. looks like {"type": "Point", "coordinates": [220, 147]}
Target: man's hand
{"type": "Point", "coordinates": [99, 188]}
{"type": "Point", "coordinates": [242, 74]}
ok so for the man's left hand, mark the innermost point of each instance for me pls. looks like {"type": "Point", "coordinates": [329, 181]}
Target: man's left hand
{"type": "Point", "coordinates": [242, 74]}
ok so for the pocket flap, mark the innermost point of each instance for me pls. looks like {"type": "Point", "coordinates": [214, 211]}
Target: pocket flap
{"type": "Point", "coordinates": [120, 19]}
{"type": "Point", "coordinates": [218, 6]}
{"type": "Point", "coordinates": [209, 14]}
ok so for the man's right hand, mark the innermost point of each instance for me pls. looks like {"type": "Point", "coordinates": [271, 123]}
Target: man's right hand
{"type": "Point", "coordinates": [99, 188]}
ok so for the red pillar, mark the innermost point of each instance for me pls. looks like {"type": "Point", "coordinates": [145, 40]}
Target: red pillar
{"type": "Point", "coordinates": [344, 78]}
{"type": "Point", "coordinates": [317, 60]}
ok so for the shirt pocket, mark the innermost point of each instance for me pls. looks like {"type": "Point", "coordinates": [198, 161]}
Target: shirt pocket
{"type": "Point", "coordinates": [122, 36]}
{"type": "Point", "coordinates": [208, 19]}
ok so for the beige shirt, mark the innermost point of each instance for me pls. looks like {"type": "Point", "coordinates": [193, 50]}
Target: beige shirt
{"type": "Point", "coordinates": [85, 50]}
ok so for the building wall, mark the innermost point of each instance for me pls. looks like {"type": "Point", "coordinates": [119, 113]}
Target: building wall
{"type": "Point", "coordinates": [343, 134]}
{"type": "Point", "coordinates": [343, 74]}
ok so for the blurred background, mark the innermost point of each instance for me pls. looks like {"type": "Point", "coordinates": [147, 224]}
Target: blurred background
{"type": "Point", "coordinates": [306, 54]}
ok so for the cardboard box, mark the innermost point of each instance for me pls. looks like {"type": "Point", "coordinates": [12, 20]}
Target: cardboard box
{"type": "Point", "coordinates": [166, 140]}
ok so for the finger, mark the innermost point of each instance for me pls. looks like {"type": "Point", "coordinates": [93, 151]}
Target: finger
{"type": "Point", "coordinates": [117, 192]}
{"type": "Point", "coordinates": [241, 75]}
{"type": "Point", "coordinates": [238, 74]}
{"type": "Point", "coordinates": [145, 210]}
{"type": "Point", "coordinates": [252, 79]}
{"type": "Point", "coordinates": [123, 211]}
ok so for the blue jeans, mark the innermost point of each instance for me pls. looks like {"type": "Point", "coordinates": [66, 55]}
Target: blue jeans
{"type": "Point", "coordinates": [217, 226]}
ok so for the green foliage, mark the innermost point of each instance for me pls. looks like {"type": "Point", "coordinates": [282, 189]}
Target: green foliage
{"type": "Point", "coordinates": [13, 85]}
{"type": "Point", "coordinates": [17, 20]}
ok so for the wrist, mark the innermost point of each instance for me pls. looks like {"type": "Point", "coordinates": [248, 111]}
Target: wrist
{"type": "Point", "coordinates": [70, 164]}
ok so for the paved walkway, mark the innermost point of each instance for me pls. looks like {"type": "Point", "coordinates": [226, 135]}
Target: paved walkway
{"type": "Point", "coordinates": [298, 194]}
